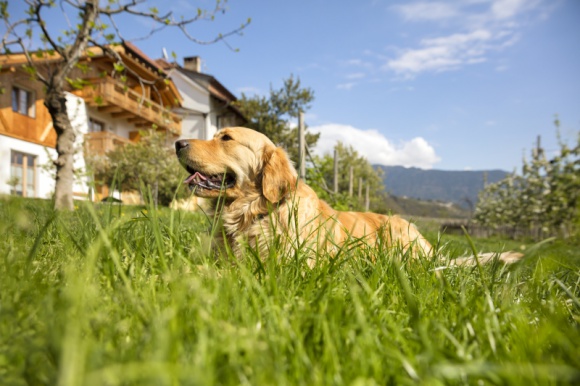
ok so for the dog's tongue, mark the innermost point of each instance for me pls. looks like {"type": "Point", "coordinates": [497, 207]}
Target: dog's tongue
{"type": "Point", "coordinates": [194, 176]}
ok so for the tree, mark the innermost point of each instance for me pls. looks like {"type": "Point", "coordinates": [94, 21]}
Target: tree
{"type": "Point", "coordinates": [148, 162]}
{"type": "Point", "coordinates": [272, 115]}
{"type": "Point", "coordinates": [321, 175]}
{"type": "Point", "coordinates": [66, 48]}
{"type": "Point", "coordinates": [545, 198]}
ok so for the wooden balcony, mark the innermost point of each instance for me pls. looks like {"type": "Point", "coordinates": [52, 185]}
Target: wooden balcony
{"type": "Point", "coordinates": [111, 96]}
{"type": "Point", "coordinates": [100, 142]}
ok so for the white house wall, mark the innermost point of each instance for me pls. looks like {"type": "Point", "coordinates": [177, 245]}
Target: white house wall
{"type": "Point", "coordinates": [192, 126]}
{"type": "Point", "coordinates": [199, 121]}
{"type": "Point", "coordinates": [78, 115]}
{"type": "Point", "coordinates": [44, 156]}
{"type": "Point", "coordinates": [195, 97]}
{"type": "Point", "coordinates": [217, 108]}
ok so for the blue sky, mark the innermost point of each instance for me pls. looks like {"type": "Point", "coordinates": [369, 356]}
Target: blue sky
{"type": "Point", "coordinates": [455, 84]}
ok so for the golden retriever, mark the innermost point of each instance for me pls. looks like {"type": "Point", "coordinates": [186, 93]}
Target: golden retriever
{"type": "Point", "coordinates": [253, 187]}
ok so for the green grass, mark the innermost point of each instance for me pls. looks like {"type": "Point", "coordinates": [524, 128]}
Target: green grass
{"type": "Point", "coordinates": [114, 295]}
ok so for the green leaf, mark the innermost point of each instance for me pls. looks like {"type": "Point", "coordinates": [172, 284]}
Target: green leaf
{"type": "Point", "coordinates": [83, 67]}
{"type": "Point", "coordinates": [118, 67]}
{"type": "Point", "coordinates": [31, 70]}
{"type": "Point", "coordinates": [77, 83]}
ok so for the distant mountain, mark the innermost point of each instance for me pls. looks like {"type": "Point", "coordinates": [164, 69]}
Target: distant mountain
{"type": "Point", "coordinates": [437, 185]}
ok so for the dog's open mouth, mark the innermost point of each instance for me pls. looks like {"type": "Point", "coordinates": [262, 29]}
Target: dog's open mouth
{"type": "Point", "coordinates": [214, 182]}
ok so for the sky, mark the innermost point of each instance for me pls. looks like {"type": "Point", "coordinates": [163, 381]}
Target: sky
{"type": "Point", "coordinates": [450, 84]}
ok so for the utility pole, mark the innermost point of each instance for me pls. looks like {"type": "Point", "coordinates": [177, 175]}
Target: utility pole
{"type": "Point", "coordinates": [301, 147]}
{"type": "Point", "coordinates": [335, 170]}
{"type": "Point", "coordinates": [367, 198]}
{"type": "Point", "coordinates": [350, 181]}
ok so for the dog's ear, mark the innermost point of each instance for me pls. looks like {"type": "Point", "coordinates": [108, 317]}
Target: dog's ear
{"type": "Point", "coordinates": [278, 175]}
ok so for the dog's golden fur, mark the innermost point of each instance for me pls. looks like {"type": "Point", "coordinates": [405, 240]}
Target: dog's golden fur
{"type": "Point", "coordinates": [263, 199]}
{"type": "Point", "coordinates": [254, 190]}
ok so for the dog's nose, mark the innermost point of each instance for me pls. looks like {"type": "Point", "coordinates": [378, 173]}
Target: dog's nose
{"type": "Point", "coordinates": [181, 144]}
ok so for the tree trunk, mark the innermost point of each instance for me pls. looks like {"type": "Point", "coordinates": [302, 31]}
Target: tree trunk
{"type": "Point", "coordinates": [55, 101]}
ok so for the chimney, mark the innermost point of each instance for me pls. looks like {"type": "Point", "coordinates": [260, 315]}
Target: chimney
{"type": "Point", "coordinates": [192, 63]}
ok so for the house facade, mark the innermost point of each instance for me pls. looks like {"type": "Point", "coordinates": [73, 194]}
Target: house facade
{"type": "Point", "coordinates": [207, 105]}
{"type": "Point", "coordinates": [107, 110]}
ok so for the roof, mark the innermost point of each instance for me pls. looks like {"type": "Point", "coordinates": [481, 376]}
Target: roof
{"type": "Point", "coordinates": [133, 49]}
{"type": "Point", "coordinates": [215, 88]}
{"type": "Point", "coordinates": [143, 65]}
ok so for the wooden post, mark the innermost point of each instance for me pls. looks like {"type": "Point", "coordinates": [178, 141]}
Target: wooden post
{"type": "Point", "coordinates": [537, 152]}
{"type": "Point", "coordinates": [301, 147]}
{"type": "Point", "coordinates": [335, 170]}
{"type": "Point", "coordinates": [350, 181]}
{"type": "Point", "coordinates": [367, 198]}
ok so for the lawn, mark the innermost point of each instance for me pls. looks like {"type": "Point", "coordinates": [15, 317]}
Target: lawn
{"type": "Point", "coordinates": [116, 295]}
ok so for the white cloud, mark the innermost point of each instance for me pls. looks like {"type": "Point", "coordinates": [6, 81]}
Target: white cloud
{"type": "Point", "coordinates": [249, 91]}
{"type": "Point", "coordinates": [346, 86]}
{"type": "Point", "coordinates": [427, 11]}
{"type": "Point", "coordinates": [443, 53]}
{"type": "Point", "coordinates": [358, 63]}
{"type": "Point", "coordinates": [503, 9]}
{"type": "Point", "coordinates": [355, 75]}
{"type": "Point", "coordinates": [485, 26]}
{"type": "Point", "coordinates": [375, 146]}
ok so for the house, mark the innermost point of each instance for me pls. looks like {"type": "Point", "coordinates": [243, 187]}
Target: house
{"type": "Point", "coordinates": [207, 105]}
{"type": "Point", "coordinates": [108, 110]}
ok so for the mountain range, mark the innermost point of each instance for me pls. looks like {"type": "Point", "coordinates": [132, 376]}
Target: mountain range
{"type": "Point", "coordinates": [459, 187]}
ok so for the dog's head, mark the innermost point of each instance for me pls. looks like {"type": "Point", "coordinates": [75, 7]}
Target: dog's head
{"type": "Point", "coordinates": [236, 163]}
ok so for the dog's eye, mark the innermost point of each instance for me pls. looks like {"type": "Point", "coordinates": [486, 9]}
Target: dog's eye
{"type": "Point", "coordinates": [226, 138]}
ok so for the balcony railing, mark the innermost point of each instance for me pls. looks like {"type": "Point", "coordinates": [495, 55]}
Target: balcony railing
{"type": "Point", "coordinates": [109, 92]}
{"type": "Point", "coordinates": [101, 142]}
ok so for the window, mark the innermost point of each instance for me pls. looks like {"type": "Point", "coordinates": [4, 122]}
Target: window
{"type": "Point", "coordinates": [23, 174]}
{"type": "Point", "coordinates": [225, 120]}
{"type": "Point", "coordinates": [23, 102]}
{"type": "Point", "coordinates": [95, 125]}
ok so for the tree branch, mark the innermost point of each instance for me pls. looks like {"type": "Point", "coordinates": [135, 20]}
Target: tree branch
{"type": "Point", "coordinates": [73, 53]}
{"type": "Point", "coordinates": [42, 24]}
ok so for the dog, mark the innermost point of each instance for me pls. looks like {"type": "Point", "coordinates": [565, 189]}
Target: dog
{"type": "Point", "coordinates": [254, 190]}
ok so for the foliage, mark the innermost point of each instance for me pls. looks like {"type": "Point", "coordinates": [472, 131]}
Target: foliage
{"type": "Point", "coordinates": [321, 177]}
{"type": "Point", "coordinates": [13, 182]}
{"type": "Point", "coordinates": [117, 295]}
{"type": "Point", "coordinates": [544, 198]}
{"type": "Point", "coordinates": [148, 164]}
{"type": "Point", "coordinates": [271, 115]}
